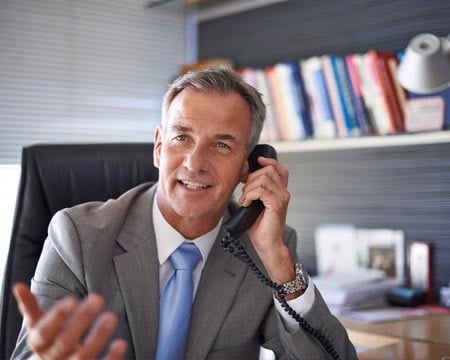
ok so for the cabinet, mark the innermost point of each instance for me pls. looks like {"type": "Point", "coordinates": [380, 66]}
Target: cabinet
{"type": "Point", "coordinates": [396, 181]}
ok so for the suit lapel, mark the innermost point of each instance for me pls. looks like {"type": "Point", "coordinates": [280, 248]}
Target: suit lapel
{"type": "Point", "coordinates": [138, 275]}
{"type": "Point", "coordinates": [219, 284]}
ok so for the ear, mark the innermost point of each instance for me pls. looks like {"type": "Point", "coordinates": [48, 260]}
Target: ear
{"type": "Point", "coordinates": [244, 172]}
{"type": "Point", "coordinates": [157, 146]}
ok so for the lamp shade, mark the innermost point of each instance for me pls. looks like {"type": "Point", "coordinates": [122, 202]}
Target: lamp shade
{"type": "Point", "coordinates": [425, 67]}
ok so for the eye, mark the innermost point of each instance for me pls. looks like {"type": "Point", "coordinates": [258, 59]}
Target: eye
{"type": "Point", "coordinates": [223, 146]}
{"type": "Point", "coordinates": [180, 137]}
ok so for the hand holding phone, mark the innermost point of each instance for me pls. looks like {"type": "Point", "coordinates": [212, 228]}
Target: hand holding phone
{"type": "Point", "coordinates": [246, 216]}
{"type": "Point", "coordinates": [239, 223]}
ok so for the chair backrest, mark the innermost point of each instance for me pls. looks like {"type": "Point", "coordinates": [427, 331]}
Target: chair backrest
{"type": "Point", "coordinates": [55, 177]}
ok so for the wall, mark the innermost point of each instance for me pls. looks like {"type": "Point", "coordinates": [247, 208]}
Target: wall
{"type": "Point", "coordinates": [296, 29]}
{"type": "Point", "coordinates": [398, 187]}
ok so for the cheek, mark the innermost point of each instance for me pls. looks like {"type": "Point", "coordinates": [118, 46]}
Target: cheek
{"type": "Point", "coordinates": [231, 178]}
{"type": "Point", "coordinates": [170, 162]}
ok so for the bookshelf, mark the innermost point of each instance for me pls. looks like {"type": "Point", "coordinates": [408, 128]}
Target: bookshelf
{"type": "Point", "coordinates": [396, 181]}
{"type": "Point", "coordinates": [434, 137]}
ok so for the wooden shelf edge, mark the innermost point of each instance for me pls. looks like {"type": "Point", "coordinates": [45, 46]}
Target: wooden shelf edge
{"type": "Point", "coordinates": [434, 137]}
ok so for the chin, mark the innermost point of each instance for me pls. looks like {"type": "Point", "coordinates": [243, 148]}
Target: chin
{"type": "Point", "coordinates": [196, 211]}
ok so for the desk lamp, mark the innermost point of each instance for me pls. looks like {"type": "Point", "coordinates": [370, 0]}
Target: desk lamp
{"type": "Point", "coordinates": [425, 67]}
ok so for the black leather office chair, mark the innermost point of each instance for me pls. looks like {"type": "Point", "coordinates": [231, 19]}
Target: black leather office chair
{"type": "Point", "coordinates": [55, 177]}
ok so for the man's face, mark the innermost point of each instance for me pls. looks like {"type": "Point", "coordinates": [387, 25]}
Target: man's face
{"type": "Point", "coordinates": [201, 156]}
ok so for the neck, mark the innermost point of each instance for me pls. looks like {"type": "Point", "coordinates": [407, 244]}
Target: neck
{"type": "Point", "coordinates": [189, 227]}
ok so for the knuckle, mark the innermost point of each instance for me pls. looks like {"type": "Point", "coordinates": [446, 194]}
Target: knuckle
{"type": "Point", "coordinates": [37, 340]}
{"type": "Point", "coordinates": [79, 356]}
{"type": "Point", "coordinates": [61, 348]}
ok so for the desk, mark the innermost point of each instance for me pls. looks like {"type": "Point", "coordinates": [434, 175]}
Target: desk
{"type": "Point", "coordinates": [426, 338]}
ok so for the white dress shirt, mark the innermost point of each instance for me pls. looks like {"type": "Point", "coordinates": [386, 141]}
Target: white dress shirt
{"type": "Point", "coordinates": [168, 240]}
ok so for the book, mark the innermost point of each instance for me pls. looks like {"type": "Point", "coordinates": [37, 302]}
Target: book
{"type": "Point", "coordinates": [358, 289]}
{"type": "Point", "coordinates": [388, 82]}
{"type": "Point", "coordinates": [270, 125]}
{"type": "Point", "coordinates": [367, 90]}
{"type": "Point", "coordinates": [300, 93]}
{"type": "Point", "coordinates": [345, 94]}
{"type": "Point", "coordinates": [277, 101]}
{"type": "Point", "coordinates": [381, 106]}
{"type": "Point", "coordinates": [402, 95]}
{"type": "Point", "coordinates": [248, 74]}
{"type": "Point", "coordinates": [333, 92]}
{"type": "Point", "coordinates": [290, 102]}
{"type": "Point", "coordinates": [445, 95]}
{"type": "Point", "coordinates": [318, 100]}
{"type": "Point", "coordinates": [362, 115]}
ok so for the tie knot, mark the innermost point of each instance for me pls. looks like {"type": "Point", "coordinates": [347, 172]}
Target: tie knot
{"type": "Point", "coordinates": [185, 257]}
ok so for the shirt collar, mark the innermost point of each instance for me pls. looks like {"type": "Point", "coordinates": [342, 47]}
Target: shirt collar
{"type": "Point", "coordinates": [168, 239]}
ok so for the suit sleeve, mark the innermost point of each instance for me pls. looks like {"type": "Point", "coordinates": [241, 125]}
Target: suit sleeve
{"type": "Point", "coordinates": [301, 344]}
{"type": "Point", "coordinates": [58, 274]}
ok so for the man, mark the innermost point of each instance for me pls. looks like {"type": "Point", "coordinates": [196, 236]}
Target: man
{"type": "Point", "coordinates": [117, 255]}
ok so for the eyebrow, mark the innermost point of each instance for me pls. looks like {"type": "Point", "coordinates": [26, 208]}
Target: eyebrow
{"type": "Point", "coordinates": [217, 136]}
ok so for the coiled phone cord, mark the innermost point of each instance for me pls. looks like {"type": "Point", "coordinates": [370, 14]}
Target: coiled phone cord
{"type": "Point", "coordinates": [229, 244]}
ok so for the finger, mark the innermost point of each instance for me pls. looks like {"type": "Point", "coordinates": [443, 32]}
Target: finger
{"type": "Point", "coordinates": [116, 350]}
{"type": "Point", "coordinates": [263, 185]}
{"type": "Point", "coordinates": [43, 334]}
{"type": "Point", "coordinates": [278, 175]}
{"type": "Point", "coordinates": [274, 195]}
{"type": "Point", "coordinates": [27, 304]}
{"type": "Point", "coordinates": [282, 172]}
{"type": "Point", "coordinates": [98, 336]}
{"type": "Point", "coordinates": [69, 338]}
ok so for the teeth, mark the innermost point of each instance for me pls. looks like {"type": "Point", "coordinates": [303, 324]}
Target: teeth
{"type": "Point", "coordinates": [193, 185]}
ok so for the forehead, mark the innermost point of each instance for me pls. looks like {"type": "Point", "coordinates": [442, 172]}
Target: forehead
{"type": "Point", "coordinates": [210, 106]}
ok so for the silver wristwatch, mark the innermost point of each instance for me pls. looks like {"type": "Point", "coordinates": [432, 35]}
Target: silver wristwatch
{"type": "Point", "coordinates": [300, 282]}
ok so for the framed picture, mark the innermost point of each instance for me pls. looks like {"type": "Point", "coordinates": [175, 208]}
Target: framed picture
{"type": "Point", "coordinates": [382, 249]}
{"type": "Point", "coordinates": [419, 267]}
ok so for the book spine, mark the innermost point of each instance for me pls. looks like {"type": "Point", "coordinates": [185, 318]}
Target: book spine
{"type": "Point", "coordinates": [300, 93]}
{"type": "Point", "coordinates": [277, 102]}
{"type": "Point", "coordinates": [345, 96]}
{"type": "Point", "coordinates": [383, 113]}
{"type": "Point", "coordinates": [358, 99]}
{"type": "Point", "coordinates": [367, 90]}
{"type": "Point", "coordinates": [330, 81]}
{"type": "Point", "coordinates": [293, 121]}
{"type": "Point", "coordinates": [389, 89]}
{"type": "Point", "coordinates": [401, 93]}
{"type": "Point", "coordinates": [324, 126]}
{"type": "Point", "coordinates": [270, 125]}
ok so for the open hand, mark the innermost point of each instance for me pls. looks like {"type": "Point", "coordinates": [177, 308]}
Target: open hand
{"type": "Point", "coordinates": [71, 329]}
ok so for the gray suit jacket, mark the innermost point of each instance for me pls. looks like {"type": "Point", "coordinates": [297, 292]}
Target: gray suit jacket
{"type": "Point", "coordinates": [109, 248]}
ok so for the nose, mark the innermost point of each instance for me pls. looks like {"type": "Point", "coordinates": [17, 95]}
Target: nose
{"type": "Point", "coordinates": [196, 159]}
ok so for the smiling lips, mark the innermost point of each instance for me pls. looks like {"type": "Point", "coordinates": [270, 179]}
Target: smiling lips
{"type": "Point", "coordinates": [193, 185]}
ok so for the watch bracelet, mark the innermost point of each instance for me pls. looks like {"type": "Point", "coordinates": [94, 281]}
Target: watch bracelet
{"type": "Point", "coordinates": [299, 283]}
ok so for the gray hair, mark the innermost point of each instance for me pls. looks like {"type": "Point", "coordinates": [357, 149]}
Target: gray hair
{"type": "Point", "coordinates": [223, 80]}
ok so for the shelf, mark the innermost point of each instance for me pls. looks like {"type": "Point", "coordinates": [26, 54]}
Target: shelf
{"type": "Point", "coordinates": [362, 142]}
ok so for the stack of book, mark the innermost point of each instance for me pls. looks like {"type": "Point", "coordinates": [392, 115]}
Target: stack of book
{"type": "Point", "coordinates": [356, 290]}
{"type": "Point", "coordinates": [331, 96]}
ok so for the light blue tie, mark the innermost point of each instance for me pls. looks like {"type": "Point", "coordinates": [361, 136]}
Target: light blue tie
{"type": "Point", "coordinates": [175, 304]}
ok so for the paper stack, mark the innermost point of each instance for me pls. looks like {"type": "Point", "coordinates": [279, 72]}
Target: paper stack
{"type": "Point", "coordinates": [355, 290]}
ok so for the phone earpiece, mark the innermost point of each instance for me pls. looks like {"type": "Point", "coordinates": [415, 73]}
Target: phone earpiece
{"type": "Point", "coordinates": [236, 225]}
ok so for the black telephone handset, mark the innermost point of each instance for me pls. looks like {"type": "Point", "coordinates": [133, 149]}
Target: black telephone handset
{"type": "Point", "coordinates": [246, 216]}
{"type": "Point", "coordinates": [239, 222]}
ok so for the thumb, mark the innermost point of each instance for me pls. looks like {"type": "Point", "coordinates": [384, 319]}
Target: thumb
{"type": "Point", "coordinates": [28, 306]}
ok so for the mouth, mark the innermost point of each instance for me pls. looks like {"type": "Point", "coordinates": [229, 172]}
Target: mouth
{"type": "Point", "coordinates": [194, 185]}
